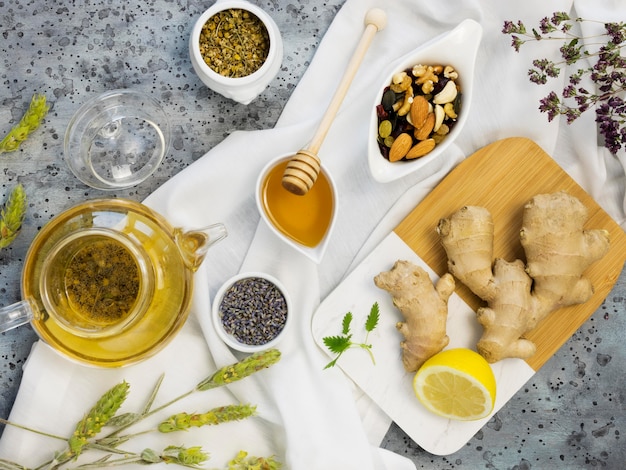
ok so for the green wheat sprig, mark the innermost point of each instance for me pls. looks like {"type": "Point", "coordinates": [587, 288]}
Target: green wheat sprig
{"type": "Point", "coordinates": [223, 414]}
{"type": "Point", "coordinates": [188, 457]}
{"type": "Point", "coordinates": [191, 457]}
{"type": "Point", "coordinates": [31, 120]}
{"type": "Point", "coordinates": [12, 216]}
{"type": "Point", "coordinates": [93, 422]}
{"type": "Point", "coordinates": [224, 376]}
{"type": "Point", "coordinates": [244, 462]}
{"type": "Point", "coordinates": [103, 413]}
{"type": "Point", "coordinates": [240, 370]}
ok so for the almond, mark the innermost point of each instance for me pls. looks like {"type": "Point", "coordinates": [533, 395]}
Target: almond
{"type": "Point", "coordinates": [420, 149]}
{"type": "Point", "coordinates": [422, 133]}
{"type": "Point", "coordinates": [400, 147]}
{"type": "Point", "coordinates": [419, 111]}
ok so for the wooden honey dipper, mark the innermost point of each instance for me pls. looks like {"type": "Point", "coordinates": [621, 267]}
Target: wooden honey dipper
{"type": "Point", "coordinates": [303, 168]}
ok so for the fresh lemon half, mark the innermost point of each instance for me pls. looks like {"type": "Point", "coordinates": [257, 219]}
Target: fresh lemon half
{"type": "Point", "coordinates": [457, 384]}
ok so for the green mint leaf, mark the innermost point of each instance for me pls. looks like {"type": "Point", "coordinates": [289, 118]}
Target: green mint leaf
{"type": "Point", "coordinates": [337, 344]}
{"type": "Point", "coordinates": [372, 319]}
{"type": "Point", "coordinates": [340, 343]}
{"type": "Point", "coordinates": [332, 363]}
{"type": "Point", "coordinates": [347, 319]}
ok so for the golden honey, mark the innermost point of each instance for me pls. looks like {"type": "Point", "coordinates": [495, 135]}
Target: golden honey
{"type": "Point", "coordinates": [304, 219]}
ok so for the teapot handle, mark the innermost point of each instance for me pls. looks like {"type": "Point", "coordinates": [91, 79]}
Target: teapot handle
{"type": "Point", "coordinates": [15, 315]}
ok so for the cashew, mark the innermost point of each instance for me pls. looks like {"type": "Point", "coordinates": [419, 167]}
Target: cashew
{"type": "Point", "coordinates": [446, 95]}
{"type": "Point", "coordinates": [448, 109]}
{"type": "Point", "coordinates": [439, 115]}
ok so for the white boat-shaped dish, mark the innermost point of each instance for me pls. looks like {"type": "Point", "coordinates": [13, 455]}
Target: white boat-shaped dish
{"type": "Point", "coordinates": [457, 48]}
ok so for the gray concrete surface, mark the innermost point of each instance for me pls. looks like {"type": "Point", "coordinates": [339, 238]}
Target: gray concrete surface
{"type": "Point", "coordinates": [571, 415]}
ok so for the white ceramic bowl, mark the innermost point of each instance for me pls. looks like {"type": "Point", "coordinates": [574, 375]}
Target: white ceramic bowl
{"type": "Point", "coordinates": [457, 48]}
{"type": "Point", "coordinates": [240, 89]}
{"type": "Point", "coordinates": [229, 338]}
{"type": "Point", "coordinates": [315, 253]}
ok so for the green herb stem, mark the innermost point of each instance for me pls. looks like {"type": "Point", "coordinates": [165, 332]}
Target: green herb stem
{"type": "Point", "coordinates": [36, 431]}
{"type": "Point", "coordinates": [224, 376]}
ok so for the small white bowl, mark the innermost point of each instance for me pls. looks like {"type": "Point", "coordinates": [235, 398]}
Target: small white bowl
{"type": "Point", "coordinates": [315, 253]}
{"type": "Point", "coordinates": [457, 48]}
{"type": "Point", "coordinates": [230, 338]}
{"type": "Point", "coordinates": [240, 89]}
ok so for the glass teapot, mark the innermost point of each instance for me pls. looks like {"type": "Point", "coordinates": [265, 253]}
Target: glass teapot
{"type": "Point", "coordinates": [109, 282]}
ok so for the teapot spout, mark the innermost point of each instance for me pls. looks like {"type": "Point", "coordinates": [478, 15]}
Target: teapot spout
{"type": "Point", "coordinates": [194, 244]}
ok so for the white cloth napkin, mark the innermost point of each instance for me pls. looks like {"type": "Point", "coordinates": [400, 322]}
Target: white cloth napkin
{"type": "Point", "coordinates": [309, 417]}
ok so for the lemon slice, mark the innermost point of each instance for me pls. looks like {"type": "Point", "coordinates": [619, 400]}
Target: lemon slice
{"type": "Point", "coordinates": [457, 384]}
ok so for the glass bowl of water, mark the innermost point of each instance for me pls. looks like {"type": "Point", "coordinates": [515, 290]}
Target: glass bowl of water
{"type": "Point", "coordinates": [117, 140]}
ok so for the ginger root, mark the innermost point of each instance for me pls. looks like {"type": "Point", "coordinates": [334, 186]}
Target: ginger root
{"type": "Point", "coordinates": [424, 307]}
{"type": "Point", "coordinates": [518, 296]}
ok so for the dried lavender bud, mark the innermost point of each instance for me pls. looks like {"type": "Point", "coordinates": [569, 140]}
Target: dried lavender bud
{"type": "Point", "coordinates": [253, 310]}
{"type": "Point", "coordinates": [608, 73]}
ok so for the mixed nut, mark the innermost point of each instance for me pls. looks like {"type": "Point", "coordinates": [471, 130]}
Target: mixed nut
{"type": "Point", "coordinates": [417, 111]}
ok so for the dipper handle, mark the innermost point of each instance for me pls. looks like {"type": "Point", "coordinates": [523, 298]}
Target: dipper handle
{"type": "Point", "coordinates": [303, 168]}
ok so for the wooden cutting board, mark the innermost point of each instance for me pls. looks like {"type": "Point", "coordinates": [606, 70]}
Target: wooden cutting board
{"type": "Point", "coordinates": [502, 177]}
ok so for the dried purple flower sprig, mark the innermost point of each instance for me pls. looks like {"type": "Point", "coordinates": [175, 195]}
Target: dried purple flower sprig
{"type": "Point", "coordinates": [608, 72]}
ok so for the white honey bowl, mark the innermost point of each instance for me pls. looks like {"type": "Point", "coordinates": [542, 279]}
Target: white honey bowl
{"type": "Point", "coordinates": [457, 48]}
{"type": "Point", "coordinates": [315, 253]}
{"type": "Point", "coordinates": [240, 89]}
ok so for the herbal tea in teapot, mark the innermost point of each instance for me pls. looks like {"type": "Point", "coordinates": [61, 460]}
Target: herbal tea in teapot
{"type": "Point", "coordinates": [95, 282]}
{"type": "Point", "coordinates": [109, 282]}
